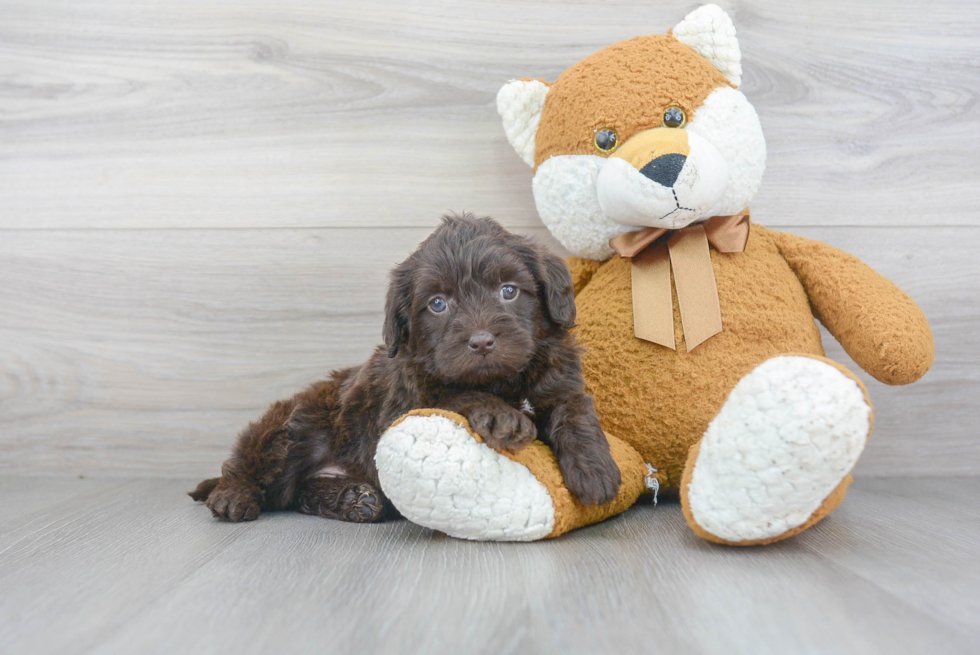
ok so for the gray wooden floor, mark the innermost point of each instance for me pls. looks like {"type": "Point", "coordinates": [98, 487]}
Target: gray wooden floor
{"type": "Point", "coordinates": [134, 566]}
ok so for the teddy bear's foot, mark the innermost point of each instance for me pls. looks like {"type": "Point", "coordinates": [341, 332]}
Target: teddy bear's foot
{"type": "Point", "coordinates": [439, 474]}
{"type": "Point", "coordinates": [777, 457]}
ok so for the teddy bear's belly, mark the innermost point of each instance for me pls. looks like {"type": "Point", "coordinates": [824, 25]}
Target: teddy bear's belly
{"type": "Point", "coordinates": [660, 400]}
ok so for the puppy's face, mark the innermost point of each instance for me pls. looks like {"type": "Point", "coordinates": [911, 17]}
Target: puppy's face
{"type": "Point", "coordinates": [473, 302]}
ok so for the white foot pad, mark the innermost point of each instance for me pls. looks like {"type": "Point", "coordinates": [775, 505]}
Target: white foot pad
{"type": "Point", "coordinates": [439, 477]}
{"type": "Point", "coordinates": [790, 431]}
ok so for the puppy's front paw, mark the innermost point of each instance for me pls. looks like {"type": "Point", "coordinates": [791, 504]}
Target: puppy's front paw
{"type": "Point", "coordinates": [592, 477]}
{"type": "Point", "coordinates": [234, 503]}
{"type": "Point", "coordinates": [502, 426]}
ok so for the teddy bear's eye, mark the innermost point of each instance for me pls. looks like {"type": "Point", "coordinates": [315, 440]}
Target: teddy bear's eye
{"type": "Point", "coordinates": [674, 117]}
{"type": "Point", "coordinates": [605, 140]}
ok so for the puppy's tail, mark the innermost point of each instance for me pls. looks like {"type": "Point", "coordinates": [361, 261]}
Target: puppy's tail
{"type": "Point", "coordinates": [204, 489]}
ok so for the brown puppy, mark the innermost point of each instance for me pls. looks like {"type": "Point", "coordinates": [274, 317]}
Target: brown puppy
{"type": "Point", "coordinates": [476, 321]}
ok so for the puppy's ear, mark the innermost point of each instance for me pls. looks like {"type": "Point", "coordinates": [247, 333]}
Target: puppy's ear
{"type": "Point", "coordinates": [398, 309]}
{"type": "Point", "coordinates": [557, 289]}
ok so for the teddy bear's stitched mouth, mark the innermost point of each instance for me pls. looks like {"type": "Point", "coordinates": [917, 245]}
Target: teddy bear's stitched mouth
{"type": "Point", "coordinates": [675, 209]}
{"type": "Point", "coordinates": [678, 207]}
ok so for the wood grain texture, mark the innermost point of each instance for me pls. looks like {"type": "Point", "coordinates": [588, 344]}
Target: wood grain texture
{"type": "Point", "coordinates": [297, 113]}
{"type": "Point", "coordinates": [199, 202]}
{"type": "Point", "coordinates": [145, 352]}
{"type": "Point", "coordinates": [134, 566]}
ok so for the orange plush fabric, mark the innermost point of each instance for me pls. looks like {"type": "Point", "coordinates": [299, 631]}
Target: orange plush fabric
{"type": "Point", "coordinates": [569, 513]}
{"type": "Point", "coordinates": [879, 326]}
{"type": "Point", "coordinates": [660, 401]}
{"type": "Point", "coordinates": [582, 271]}
{"type": "Point", "coordinates": [591, 95]}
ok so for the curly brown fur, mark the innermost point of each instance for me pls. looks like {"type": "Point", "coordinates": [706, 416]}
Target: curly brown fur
{"type": "Point", "coordinates": [476, 321]}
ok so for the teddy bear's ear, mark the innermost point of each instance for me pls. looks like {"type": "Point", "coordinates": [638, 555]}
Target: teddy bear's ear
{"type": "Point", "coordinates": [519, 103]}
{"type": "Point", "coordinates": [710, 31]}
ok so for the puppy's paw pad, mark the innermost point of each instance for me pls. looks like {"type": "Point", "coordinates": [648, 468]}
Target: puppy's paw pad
{"type": "Point", "coordinates": [362, 503]}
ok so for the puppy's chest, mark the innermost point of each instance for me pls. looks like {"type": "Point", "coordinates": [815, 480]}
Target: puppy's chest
{"type": "Point", "coordinates": [514, 392]}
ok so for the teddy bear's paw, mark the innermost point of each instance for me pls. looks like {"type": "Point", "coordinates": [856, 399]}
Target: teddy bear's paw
{"type": "Point", "coordinates": [438, 475]}
{"type": "Point", "coordinates": [785, 440]}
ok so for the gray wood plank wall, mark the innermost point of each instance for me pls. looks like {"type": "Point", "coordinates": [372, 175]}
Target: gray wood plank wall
{"type": "Point", "coordinates": [199, 202]}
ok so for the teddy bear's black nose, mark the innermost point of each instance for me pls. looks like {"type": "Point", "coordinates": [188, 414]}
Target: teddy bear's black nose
{"type": "Point", "coordinates": [665, 169]}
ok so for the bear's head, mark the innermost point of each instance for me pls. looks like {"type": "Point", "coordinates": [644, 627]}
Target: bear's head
{"type": "Point", "coordinates": [649, 132]}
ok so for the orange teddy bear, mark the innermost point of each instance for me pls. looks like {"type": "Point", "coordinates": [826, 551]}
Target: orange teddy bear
{"type": "Point", "coordinates": [702, 351]}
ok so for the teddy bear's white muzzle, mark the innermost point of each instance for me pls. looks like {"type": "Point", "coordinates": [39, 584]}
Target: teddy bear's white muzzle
{"type": "Point", "coordinates": [646, 197]}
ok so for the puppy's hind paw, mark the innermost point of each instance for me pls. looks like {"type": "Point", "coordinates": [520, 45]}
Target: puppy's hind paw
{"type": "Point", "coordinates": [234, 503]}
{"type": "Point", "coordinates": [204, 489]}
{"type": "Point", "coordinates": [362, 503]}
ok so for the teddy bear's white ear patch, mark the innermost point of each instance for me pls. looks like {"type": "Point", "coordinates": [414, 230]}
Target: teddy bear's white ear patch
{"type": "Point", "coordinates": [519, 104]}
{"type": "Point", "coordinates": [710, 31]}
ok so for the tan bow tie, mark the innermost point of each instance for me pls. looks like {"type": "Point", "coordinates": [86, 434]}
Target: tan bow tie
{"type": "Point", "coordinates": [686, 251]}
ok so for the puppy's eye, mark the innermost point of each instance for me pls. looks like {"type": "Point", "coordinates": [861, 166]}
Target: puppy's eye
{"type": "Point", "coordinates": [438, 305]}
{"type": "Point", "coordinates": [674, 117]}
{"type": "Point", "coordinates": [605, 140]}
{"type": "Point", "coordinates": [509, 292]}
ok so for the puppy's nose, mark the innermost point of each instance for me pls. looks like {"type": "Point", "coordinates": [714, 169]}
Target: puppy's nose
{"type": "Point", "coordinates": [481, 343]}
{"type": "Point", "coordinates": [665, 169]}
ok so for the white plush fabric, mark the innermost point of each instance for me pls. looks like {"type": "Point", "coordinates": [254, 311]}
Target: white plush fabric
{"type": "Point", "coordinates": [785, 438]}
{"type": "Point", "coordinates": [710, 31]}
{"type": "Point", "coordinates": [565, 195]}
{"type": "Point", "coordinates": [519, 104]}
{"type": "Point", "coordinates": [440, 477]}
{"type": "Point", "coordinates": [728, 121]}
{"type": "Point", "coordinates": [629, 197]}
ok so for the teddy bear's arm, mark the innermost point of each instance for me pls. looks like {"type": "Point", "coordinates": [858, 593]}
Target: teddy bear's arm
{"type": "Point", "coordinates": [879, 326]}
{"type": "Point", "coordinates": [582, 271]}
